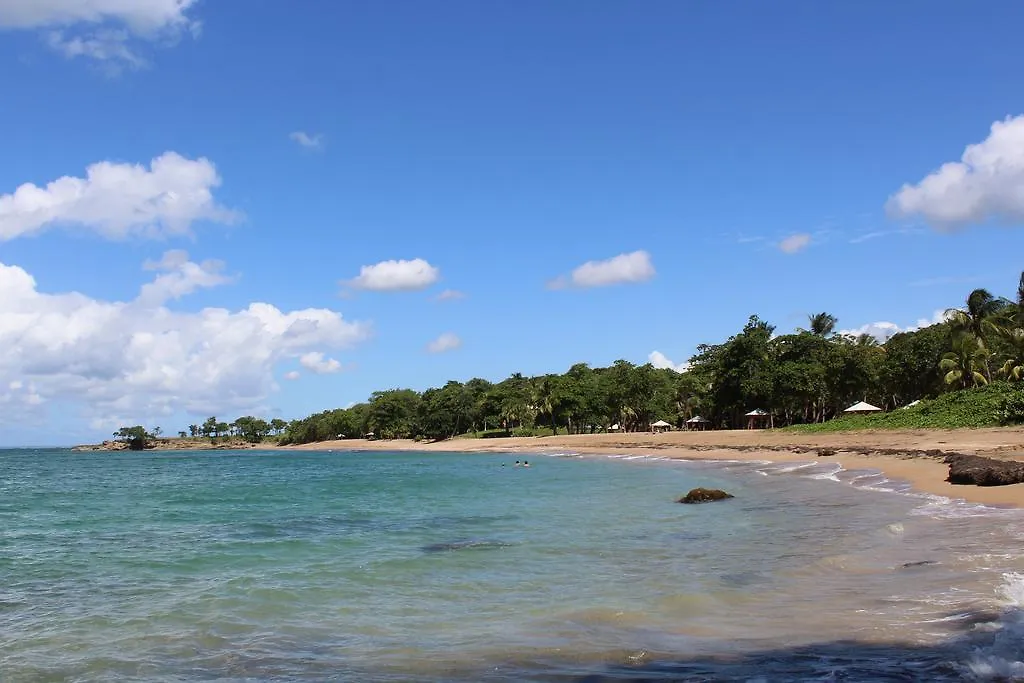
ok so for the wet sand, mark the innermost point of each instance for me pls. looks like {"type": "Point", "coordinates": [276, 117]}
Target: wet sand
{"type": "Point", "coordinates": [914, 456]}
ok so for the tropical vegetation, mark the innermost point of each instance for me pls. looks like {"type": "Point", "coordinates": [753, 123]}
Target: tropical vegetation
{"type": "Point", "coordinates": [807, 377]}
{"type": "Point", "coordinates": [963, 371]}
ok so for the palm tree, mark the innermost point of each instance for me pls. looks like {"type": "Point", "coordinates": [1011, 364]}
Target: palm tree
{"type": "Point", "coordinates": [546, 401]}
{"type": "Point", "coordinates": [981, 317]}
{"type": "Point", "coordinates": [1013, 368]}
{"type": "Point", "coordinates": [963, 365]}
{"type": "Point", "coordinates": [867, 340]}
{"type": "Point", "coordinates": [822, 324]}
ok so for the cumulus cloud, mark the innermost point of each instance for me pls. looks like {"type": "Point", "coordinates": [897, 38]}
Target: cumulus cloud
{"type": "Point", "coordinates": [661, 361]}
{"type": "Point", "coordinates": [180, 276]}
{"type": "Point", "coordinates": [883, 329]}
{"type": "Point", "coordinates": [987, 184]}
{"type": "Point", "coordinates": [316, 362]}
{"type": "Point", "coordinates": [395, 276]}
{"type": "Point", "coordinates": [450, 295]}
{"type": "Point", "coordinates": [128, 361]}
{"type": "Point", "coordinates": [119, 200]}
{"type": "Point", "coordinates": [795, 243]}
{"type": "Point", "coordinates": [446, 342]}
{"type": "Point", "coordinates": [293, 375]}
{"type": "Point", "coordinates": [105, 30]}
{"type": "Point", "coordinates": [625, 268]}
{"type": "Point", "coordinates": [306, 140]}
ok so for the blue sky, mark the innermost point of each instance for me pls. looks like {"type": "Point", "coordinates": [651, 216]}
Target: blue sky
{"type": "Point", "coordinates": [754, 153]}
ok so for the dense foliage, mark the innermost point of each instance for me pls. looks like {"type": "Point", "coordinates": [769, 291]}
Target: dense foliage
{"type": "Point", "coordinates": [999, 403]}
{"type": "Point", "coordinates": [805, 377]}
{"type": "Point", "coordinates": [963, 372]}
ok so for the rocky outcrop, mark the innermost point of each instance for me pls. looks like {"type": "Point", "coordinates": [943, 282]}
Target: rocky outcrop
{"type": "Point", "coordinates": [105, 446]}
{"type": "Point", "coordinates": [704, 496]}
{"type": "Point", "coordinates": [177, 444]}
{"type": "Point", "coordinates": [974, 469]}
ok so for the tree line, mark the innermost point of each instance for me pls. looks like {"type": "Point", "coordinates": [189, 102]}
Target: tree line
{"type": "Point", "coordinates": [809, 375]}
{"type": "Point", "coordinates": [806, 376]}
{"type": "Point", "coordinates": [249, 428]}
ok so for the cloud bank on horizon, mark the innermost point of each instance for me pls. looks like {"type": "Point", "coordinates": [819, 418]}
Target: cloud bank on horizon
{"type": "Point", "coordinates": [122, 361]}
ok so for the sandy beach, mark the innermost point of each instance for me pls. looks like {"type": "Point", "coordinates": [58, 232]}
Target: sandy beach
{"type": "Point", "coordinates": [914, 456]}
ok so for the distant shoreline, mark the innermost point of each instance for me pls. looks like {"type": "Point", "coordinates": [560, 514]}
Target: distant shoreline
{"type": "Point", "coordinates": [176, 444]}
{"type": "Point", "coordinates": [914, 456]}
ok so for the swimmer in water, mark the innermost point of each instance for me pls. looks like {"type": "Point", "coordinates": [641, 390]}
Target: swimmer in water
{"type": "Point", "coordinates": [526, 463]}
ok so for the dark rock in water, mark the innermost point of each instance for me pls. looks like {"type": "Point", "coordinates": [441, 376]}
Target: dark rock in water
{"type": "Point", "coordinates": [920, 563]}
{"type": "Point", "coordinates": [463, 545]}
{"type": "Point", "coordinates": [704, 496]}
{"type": "Point", "coordinates": [824, 452]}
{"type": "Point", "coordinates": [974, 469]}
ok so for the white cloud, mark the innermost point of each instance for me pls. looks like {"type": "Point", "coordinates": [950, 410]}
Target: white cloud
{"type": "Point", "coordinates": [180, 276]}
{"type": "Point", "coordinates": [661, 361]}
{"type": "Point", "coordinates": [450, 295]}
{"type": "Point", "coordinates": [293, 375]}
{"type": "Point", "coordinates": [625, 268]}
{"type": "Point", "coordinates": [883, 329]}
{"type": "Point", "coordinates": [109, 46]}
{"type": "Point", "coordinates": [142, 16]}
{"type": "Point", "coordinates": [129, 361]}
{"type": "Point", "coordinates": [117, 200]}
{"type": "Point", "coordinates": [315, 362]}
{"type": "Point", "coordinates": [987, 184]}
{"type": "Point", "coordinates": [446, 342]}
{"type": "Point", "coordinates": [104, 30]}
{"type": "Point", "coordinates": [395, 276]}
{"type": "Point", "coordinates": [795, 243]}
{"type": "Point", "coordinates": [306, 140]}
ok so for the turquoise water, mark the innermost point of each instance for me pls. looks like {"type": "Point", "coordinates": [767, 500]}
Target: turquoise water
{"type": "Point", "coordinates": [304, 566]}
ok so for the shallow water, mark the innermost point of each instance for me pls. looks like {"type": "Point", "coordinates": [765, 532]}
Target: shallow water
{"type": "Point", "coordinates": [305, 566]}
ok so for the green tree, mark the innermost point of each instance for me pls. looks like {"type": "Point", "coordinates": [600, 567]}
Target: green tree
{"type": "Point", "coordinates": [822, 324]}
{"type": "Point", "coordinates": [981, 317]}
{"type": "Point", "coordinates": [136, 437]}
{"type": "Point", "coordinates": [964, 364]}
{"type": "Point", "coordinates": [1013, 365]}
{"type": "Point", "coordinates": [392, 414]}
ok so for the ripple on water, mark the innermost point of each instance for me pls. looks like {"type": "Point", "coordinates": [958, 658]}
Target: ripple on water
{"type": "Point", "coordinates": [450, 567]}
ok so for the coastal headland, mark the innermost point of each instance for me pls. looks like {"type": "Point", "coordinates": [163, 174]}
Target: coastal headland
{"type": "Point", "coordinates": [915, 456]}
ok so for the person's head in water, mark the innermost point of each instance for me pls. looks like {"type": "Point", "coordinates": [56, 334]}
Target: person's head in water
{"type": "Point", "coordinates": [517, 463]}
{"type": "Point", "coordinates": [526, 463]}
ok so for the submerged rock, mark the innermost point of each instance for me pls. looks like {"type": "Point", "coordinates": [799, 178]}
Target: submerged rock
{"type": "Point", "coordinates": [701, 495]}
{"type": "Point", "coordinates": [473, 544]}
{"type": "Point", "coordinates": [919, 563]}
{"type": "Point", "coordinates": [974, 469]}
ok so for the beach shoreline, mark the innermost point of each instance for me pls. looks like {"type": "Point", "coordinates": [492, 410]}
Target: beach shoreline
{"type": "Point", "coordinates": [913, 456]}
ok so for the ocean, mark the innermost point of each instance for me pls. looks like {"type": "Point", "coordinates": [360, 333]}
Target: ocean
{"type": "Point", "coordinates": [358, 566]}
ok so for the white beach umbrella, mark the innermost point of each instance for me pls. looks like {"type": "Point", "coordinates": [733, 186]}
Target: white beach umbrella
{"type": "Point", "coordinates": [862, 407]}
{"type": "Point", "coordinates": [660, 423]}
